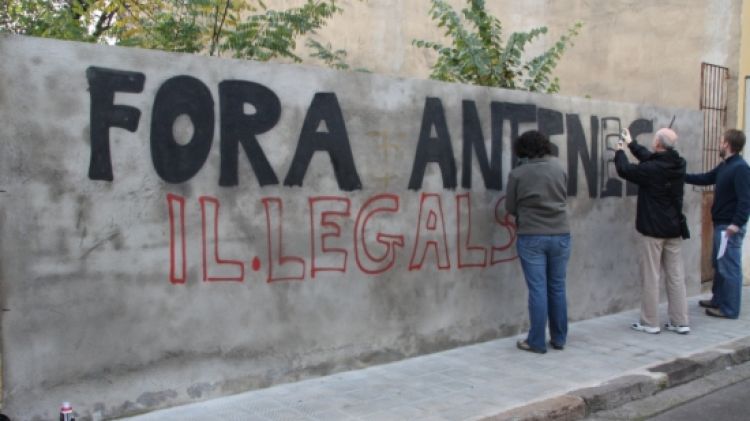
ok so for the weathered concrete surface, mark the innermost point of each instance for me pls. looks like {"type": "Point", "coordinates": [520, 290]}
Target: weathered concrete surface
{"type": "Point", "coordinates": [683, 370]}
{"type": "Point", "coordinates": [740, 350]}
{"type": "Point", "coordinates": [102, 310]}
{"type": "Point", "coordinates": [559, 408]}
{"type": "Point", "coordinates": [638, 396]}
{"type": "Point", "coordinates": [619, 391]}
{"type": "Point", "coordinates": [676, 396]}
{"type": "Point", "coordinates": [490, 378]}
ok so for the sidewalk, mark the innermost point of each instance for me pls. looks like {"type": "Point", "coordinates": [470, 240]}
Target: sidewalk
{"type": "Point", "coordinates": [486, 379]}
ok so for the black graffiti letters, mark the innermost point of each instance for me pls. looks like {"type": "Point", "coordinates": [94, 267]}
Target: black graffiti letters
{"type": "Point", "coordinates": [438, 149]}
{"type": "Point", "coordinates": [595, 153]}
{"type": "Point", "coordinates": [177, 162]}
{"type": "Point", "coordinates": [103, 83]}
{"type": "Point", "coordinates": [434, 145]}
{"type": "Point", "coordinates": [637, 128]}
{"type": "Point", "coordinates": [550, 123]}
{"type": "Point", "coordinates": [434, 149]}
{"type": "Point", "coordinates": [578, 146]}
{"type": "Point", "coordinates": [332, 138]}
{"type": "Point", "coordinates": [611, 183]}
{"type": "Point", "coordinates": [473, 139]}
{"type": "Point", "coordinates": [181, 95]}
{"type": "Point", "coordinates": [238, 127]}
{"type": "Point", "coordinates": [516, 114]}
{"type": "Point", "coordinates": [249, 110]}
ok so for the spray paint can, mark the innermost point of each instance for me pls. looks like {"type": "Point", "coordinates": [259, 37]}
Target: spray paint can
{"type": "Point", "coordinates": [66, 412]}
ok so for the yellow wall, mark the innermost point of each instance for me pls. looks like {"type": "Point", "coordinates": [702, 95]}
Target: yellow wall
{"type": "Point", "coordinates": [744, 67]}
{"type": "Point", "coordinates": [640, 51]}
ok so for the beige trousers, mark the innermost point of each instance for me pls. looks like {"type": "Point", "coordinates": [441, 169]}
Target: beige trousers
{"type": "Point", "coordinates": [658, 254]}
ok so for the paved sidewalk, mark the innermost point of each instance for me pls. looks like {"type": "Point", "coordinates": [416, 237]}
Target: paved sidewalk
{"type": "Point", "coordinates": [474, 381]}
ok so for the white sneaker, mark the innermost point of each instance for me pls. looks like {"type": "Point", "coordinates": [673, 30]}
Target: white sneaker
{"type": "Point", "coordinates": [643, 328]}
{"type": "Point", "coordinates": [682, 330]}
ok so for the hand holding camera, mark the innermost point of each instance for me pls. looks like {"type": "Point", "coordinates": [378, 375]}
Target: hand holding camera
{"type": "Point", "coordinates": [625, 135]}
{"type": "Point", "coordinates": [624, 138]}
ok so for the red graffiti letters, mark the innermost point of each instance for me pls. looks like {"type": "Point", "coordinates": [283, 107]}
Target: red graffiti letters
{"type": "Point", "coordinates": [336, 229]}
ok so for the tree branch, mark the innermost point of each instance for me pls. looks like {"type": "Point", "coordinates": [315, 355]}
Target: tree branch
{"type": "Point", "coordinates": [217, 34]}
{"type": "Point", "coordinates": [103, 24]}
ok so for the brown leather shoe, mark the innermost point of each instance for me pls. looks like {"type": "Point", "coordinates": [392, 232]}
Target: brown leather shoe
{"type": "Point", "coordinates": [706, 304]}
{"type": "Point", "coordinates": [556, 346]}
{"type": "Point", "coordinates": [715, 312]}
{"type": "Point", "coordinates": [524, 346]}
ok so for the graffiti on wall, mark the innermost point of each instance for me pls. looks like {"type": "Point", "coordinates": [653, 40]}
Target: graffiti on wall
{"type": "Point", "coordinates": [369, 251]}
{"type": "Point", "coordinates": [367, 247]}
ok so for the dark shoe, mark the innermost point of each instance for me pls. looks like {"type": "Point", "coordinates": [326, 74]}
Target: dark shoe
{"type": "Point", "coordinates": [524, 346]}
{"type": "Point", "coordinates": [707, 304]}
{"type": "Point", "coordinates": [556, 346]}
{"type": "Point", "coordinates": [715, 312]}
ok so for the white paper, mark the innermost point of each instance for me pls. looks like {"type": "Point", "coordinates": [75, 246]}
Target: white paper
{"type": "Point", "coordinates": [722, 245]}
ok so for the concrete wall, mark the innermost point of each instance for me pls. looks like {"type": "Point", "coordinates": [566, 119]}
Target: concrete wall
{"type": "Point", "coordinates": [163, 281]}
{"type": "Point", "coordinates": [639, 51]}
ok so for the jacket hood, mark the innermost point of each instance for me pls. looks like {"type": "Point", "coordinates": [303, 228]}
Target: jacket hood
{"type": "Point", "coordinates": [674, 165]}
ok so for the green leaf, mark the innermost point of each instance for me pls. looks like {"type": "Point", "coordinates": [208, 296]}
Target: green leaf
{"type": "Point", "coordinates": [479, 55]}
{"type": "Point", "coordinates": [246, 29]}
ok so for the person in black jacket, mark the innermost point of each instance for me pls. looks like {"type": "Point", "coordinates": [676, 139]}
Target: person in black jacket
{"type": "Point", "coordinates": [729, 214]}
{"type": "Point", "coordinates": [660, 176]}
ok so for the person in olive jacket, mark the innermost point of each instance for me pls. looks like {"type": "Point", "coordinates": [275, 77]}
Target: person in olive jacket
{"type": "Point", "coordinates": [660, 176]}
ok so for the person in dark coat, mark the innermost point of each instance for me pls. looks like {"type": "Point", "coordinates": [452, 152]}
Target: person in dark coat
{"type": "Point", "coordinates": [660, 176]}
{"type": "Point", "coordinates": [729, 214]}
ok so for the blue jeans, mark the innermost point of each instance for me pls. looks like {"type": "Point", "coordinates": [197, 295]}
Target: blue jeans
{"type": "Point", "coordinates": [727, 287]}
{"type": "Point", "coordinates": [544, 259]}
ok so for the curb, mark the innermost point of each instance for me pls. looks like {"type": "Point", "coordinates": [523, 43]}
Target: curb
{"type": "Point", "coordinates": [562, 408]}
{"type": "Point", "coordinates": [619, 391]}
{"type": "Point", "coordinates": [580, 403]}
{"type": "Point", "coordinates": [683, 370]}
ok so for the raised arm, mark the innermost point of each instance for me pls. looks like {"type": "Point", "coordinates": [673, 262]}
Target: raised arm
{"type": "Point", "coordinates": [636, 173]}
{"type": "Point", "coordinates": [703, 179]}
{"type": "Point", "coordinates": [641, 153]}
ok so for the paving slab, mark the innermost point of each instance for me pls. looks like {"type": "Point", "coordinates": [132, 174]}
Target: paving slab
{"type": "Point", "coordinates": [493, 378]}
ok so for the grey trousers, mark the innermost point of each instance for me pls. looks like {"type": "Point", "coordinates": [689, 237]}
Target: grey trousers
{"type": "Point", "coordinates": [658, 254]}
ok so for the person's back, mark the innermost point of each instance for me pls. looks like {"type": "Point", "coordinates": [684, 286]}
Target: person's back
{"type": "Point", "coordinates": [660, 176]}
{"type": "Point", "coordinates": [540, 196]}
{"type": "Point", "coordinates": [660, 195]}
{"type": "Point", "coordinates": [536, 195]}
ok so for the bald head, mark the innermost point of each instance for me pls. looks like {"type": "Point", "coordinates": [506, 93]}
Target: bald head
{"type": "Point", "coordinates": [665, 138]}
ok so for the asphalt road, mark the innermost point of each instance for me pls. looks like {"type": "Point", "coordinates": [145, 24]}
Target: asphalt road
{"type": "Point", "coordinates": [728, 404]}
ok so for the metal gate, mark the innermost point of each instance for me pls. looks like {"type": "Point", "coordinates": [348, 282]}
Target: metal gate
{"type": "Point", "coordinates": [714, 106]}
{"type": "Point", "coordinates": [713, 103]}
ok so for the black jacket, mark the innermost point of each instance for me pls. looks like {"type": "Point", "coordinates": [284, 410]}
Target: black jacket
{"type": "Point", "coordinates": [660, 177]}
